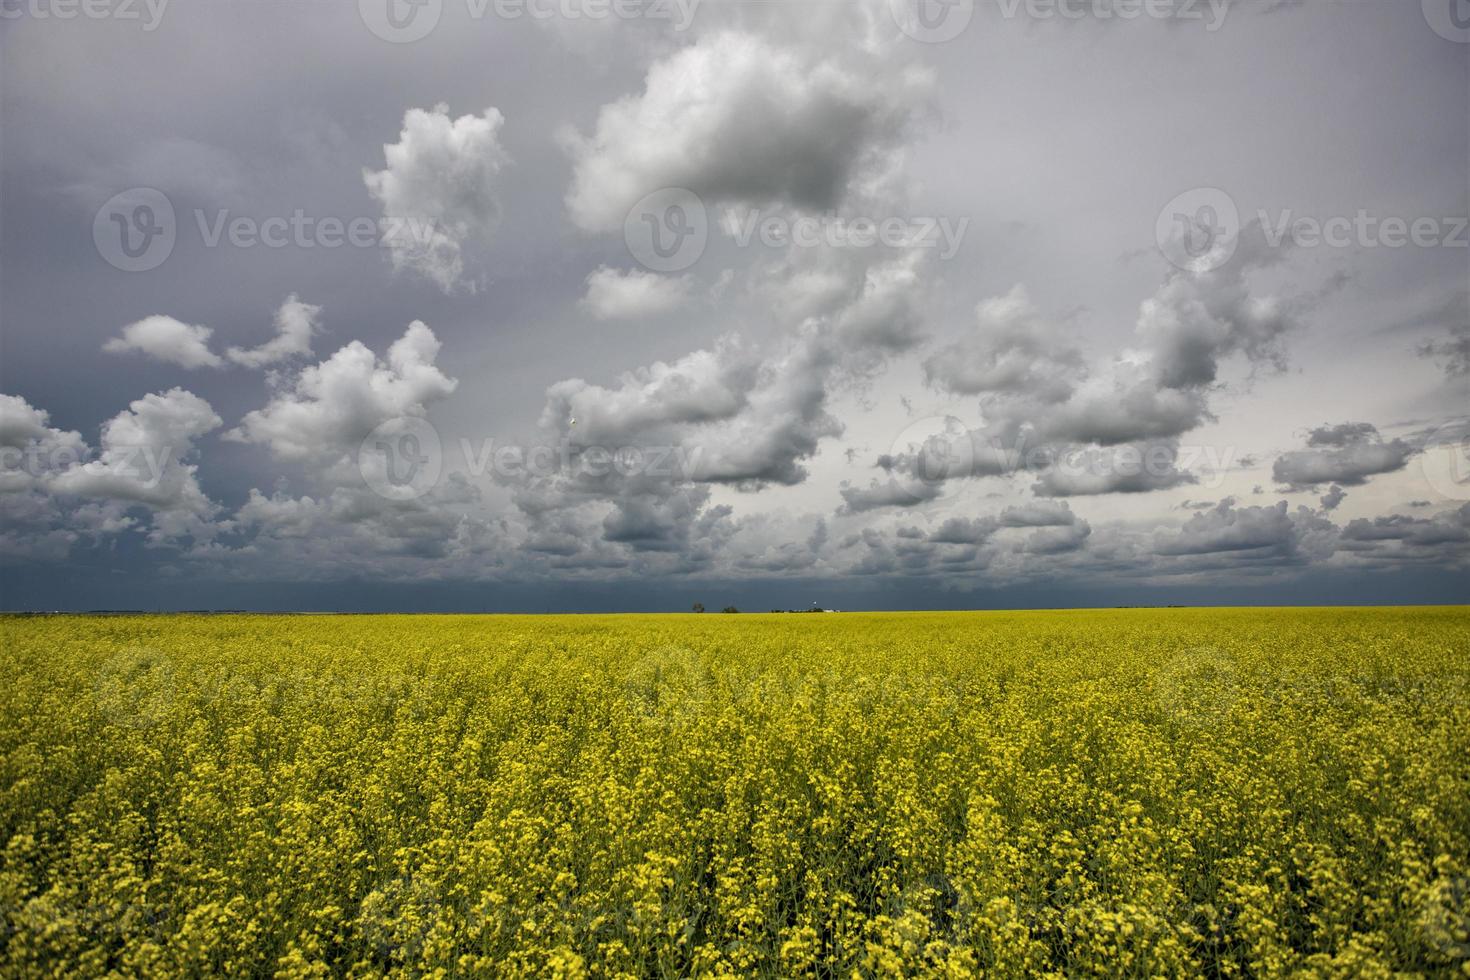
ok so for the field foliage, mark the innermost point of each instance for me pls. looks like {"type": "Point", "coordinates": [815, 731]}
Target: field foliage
{"type": "Point", "coordinates": [1121, 793]}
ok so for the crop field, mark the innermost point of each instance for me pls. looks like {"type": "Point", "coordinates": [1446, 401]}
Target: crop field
{"type": "Point", "coordinates": [1110, 793]}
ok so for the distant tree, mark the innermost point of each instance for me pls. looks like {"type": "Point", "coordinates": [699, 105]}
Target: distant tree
{"type": "Point", "coordinates": [731, 609]}
{"type": "Point", "coordinates": [699, 607]}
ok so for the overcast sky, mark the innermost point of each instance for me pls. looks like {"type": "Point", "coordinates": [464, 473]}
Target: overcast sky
{"type": "Point", "coordinates": [601, 304]}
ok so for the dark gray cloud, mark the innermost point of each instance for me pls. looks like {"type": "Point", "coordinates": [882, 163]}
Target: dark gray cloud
{"type": "Point", "coordinates": [1346, 454]}
{"type": "Point", "coordinates": [1038, 513]}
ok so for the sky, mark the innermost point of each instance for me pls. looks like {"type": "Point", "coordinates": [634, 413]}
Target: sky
{"type": "Point", "coordinates": [589, 305]}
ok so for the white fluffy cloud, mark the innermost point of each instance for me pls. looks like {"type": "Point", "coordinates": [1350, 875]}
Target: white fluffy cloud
{"type": "Point", "coordinates": [632, 295]}
{"type": "Point", "coordinates": [295, 324]}
{"type": "Point", "coordinates": [22, 424]}
{"type": "Point", "coordinates": [736, 416]}
{"type": "Point", "coordinates": [331, 407]}
{"type": "Point", "coordinates": [146, 458]}
{"type": "Point", "coordinates": [1116, 428]}
{"type": "Point", "coordinates": [142, 454]}
{"type": "Point", "coordinates": [166, 339]}
{"type": "Point", "coordinates": [438, 191]}
{"type": "Point", "coordinates": [736, 117]}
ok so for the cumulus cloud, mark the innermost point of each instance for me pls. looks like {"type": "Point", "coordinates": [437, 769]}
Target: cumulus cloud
{"type": "Point", "coordinates": [1057, 540]}
{"type": "Point", "coordinates": [146, 458]}
{"type": "Point", "coordinates": [166, 339]}
{"type": "Point", "coordinates": [736, 117]}
{"type": "Point", "coordinates": [737, 416]}
{"type": "Point", "coordinates": [884, 313]}
{"type": "Point", "coordinates": [1345, 454]}
{"type": "Point", "coordinates": [34, 525]}
{"type": "Point", "coordinates": [1013, 349]}
{"type": "Point", "coordinates": [1038, 513]}
{"type": "Point", "coordinates": [1195, 320]}
{"type": "Point", "coordinates": [634, 294]}
{"type": "Point", "coordinates": [439, 190]}
{"type": "Point", "coordinates": [887, 493]}
{"type": "Point", "coordinates": [656, 522]}
{"type": "Point", "coordinates": [1132, 468]}
{"type": "Point", "coordinates": [1228, 528]}
{"type": "Point", "coordinates": [328, 410]}
{"type": "Point", "coordinates": [1410, 531]}
{"type": "Point", "coordinates": [1114, 429]}
{"type": "Point", "coordinates": [964, 530]}
{"type": "Point", "coordinates": [1396, 541]}
{"type": "Point", "coordinates": [295, 323]}
{"type": "Point", "coordinates": [1251, 534]}
{"type": "Point", "coordinates": [22, 425]}
{"type": "Point", "coordinates": [778, 126]}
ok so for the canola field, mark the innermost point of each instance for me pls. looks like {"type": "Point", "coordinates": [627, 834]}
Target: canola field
{"type": "Point", "coordinates": [1137, 793]}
